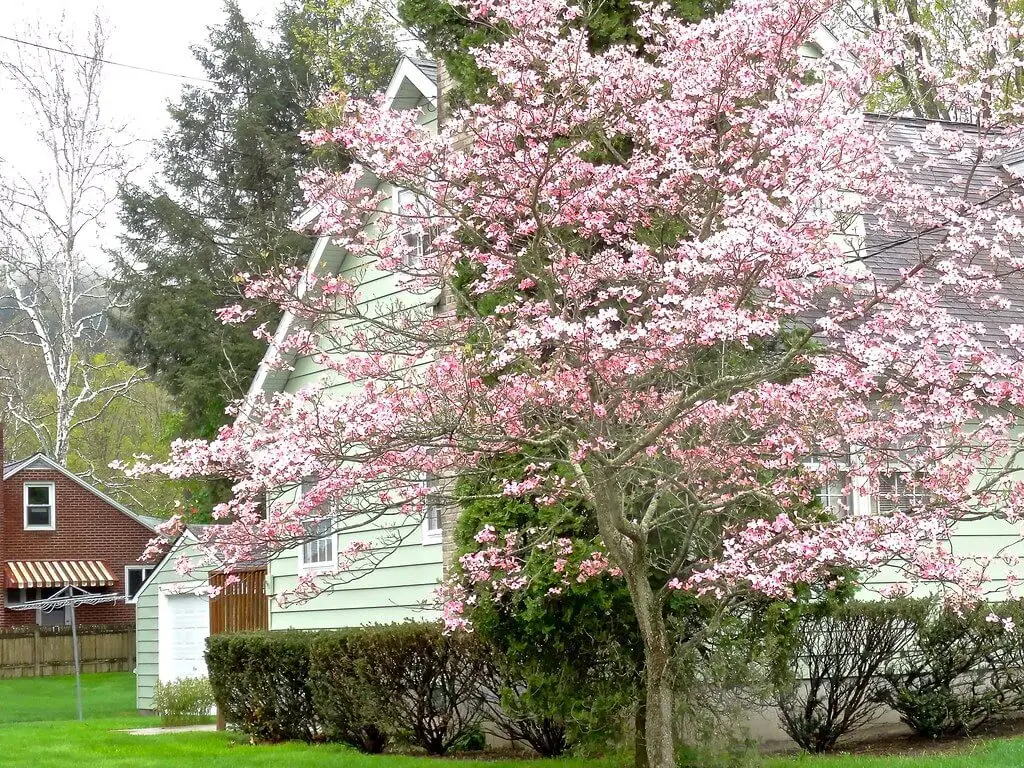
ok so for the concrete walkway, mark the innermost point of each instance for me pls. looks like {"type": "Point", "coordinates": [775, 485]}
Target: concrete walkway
{"type": "Point", "coordinates": [178, 729]}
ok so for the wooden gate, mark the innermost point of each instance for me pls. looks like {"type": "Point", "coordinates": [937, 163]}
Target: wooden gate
{"type": "Point", "coordinates": [240, 605]}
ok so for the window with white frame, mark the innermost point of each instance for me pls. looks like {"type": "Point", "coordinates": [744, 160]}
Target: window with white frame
{"type": "Point", "coordinates": [318, 549]}
{"type": "Point", "coordinates": [835, 496]}
{"type": "Point", "coordinates": [432, 520]}
{"type": "Point", "coordinates": [134, 577]}
{"type": "Point", "coordinates": [432, 514]}
{"type": "Point", "coordinates": [418, 240]}
{"type": "Point", "coordinates": [900, 492]}
{"type": "Point", "coordinates": [40, 507]}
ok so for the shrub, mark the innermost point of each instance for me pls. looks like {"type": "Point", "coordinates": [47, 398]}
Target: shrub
{"type": "Point", "coordinates": [260, 682]}
{"type": "Point", "coordinates": [346, 706]}
{"type": "Point", "coordinates": [837, 664]}
{"type": "Point", "coordinates": [425, 686]}
{"type": "Point", "coordinates": [524, 705]}
{"type": "Point", "coordinates": [963, 671]}
{"type": "Point", "coordinates": [184, 701]}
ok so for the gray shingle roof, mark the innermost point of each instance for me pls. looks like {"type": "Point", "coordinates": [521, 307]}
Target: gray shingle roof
{"type": "Point", "coordinates": [426, 66]}
{"type": "Point", "coordinates": [900, 246]}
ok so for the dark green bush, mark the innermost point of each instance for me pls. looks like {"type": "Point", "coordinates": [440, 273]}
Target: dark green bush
{"type": "Point", "coordinates": [347, 707]}
{"type": "Point", "coordinates": [836, 668]}
{"type": "Point", "coordinates": [426, 687]}
{"type": "Point", "coordinates": [261, 683]}
{"type": "Point", "coordinates": [962, 671]}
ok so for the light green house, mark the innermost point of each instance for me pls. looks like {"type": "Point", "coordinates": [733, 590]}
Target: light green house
{"type": "Point", "coordinates": [402, 586]}
{"type": "Point", "coordinates": [173, 610]}
{"type": "Point", "coordinates": [172, 621]}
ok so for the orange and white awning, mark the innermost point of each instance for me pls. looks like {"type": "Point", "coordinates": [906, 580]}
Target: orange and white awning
{"type": "Point", "coordinates": [25, 574]}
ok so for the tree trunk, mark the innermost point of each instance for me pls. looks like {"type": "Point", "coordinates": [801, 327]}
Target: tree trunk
{"type": "Point", "coordinates": [640, 732]}
{"type": "Point", "coordinates": [659, 707]}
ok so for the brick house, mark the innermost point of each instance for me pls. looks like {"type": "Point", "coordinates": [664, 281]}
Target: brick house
{"type": "Point", "coordinates": [58, 530]}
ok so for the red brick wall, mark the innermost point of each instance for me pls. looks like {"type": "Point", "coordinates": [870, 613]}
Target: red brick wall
{"type": "Point", "coordinates": [87, 528]}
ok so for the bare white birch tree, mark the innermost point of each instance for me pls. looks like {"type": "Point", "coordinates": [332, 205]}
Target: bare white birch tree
{"type": "Point", "coordinates": [51, 255]}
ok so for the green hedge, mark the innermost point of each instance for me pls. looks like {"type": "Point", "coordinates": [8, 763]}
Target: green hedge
{"type": "Point", "coordinates": [409, 682]}
{"type": "Point", "coordinates": [944, 672]}
{"type": "Point", "coordinates": [962, 671]}
{"type": "Point", "coordinates": [261, 683]}
{"type": "Point", "coordinates": [401, 682]}
{"type": "Point", "coordinates": [346, 706]}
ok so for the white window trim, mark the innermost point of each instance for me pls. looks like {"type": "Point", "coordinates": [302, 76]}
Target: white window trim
{"type": "Point", "coordinates": [53, 506]}
{"type": "Point", "coordinates": [861, 500]}
{"type": "Point", "coordinates": [396, 197]}
{"type": "Point", "coordinates": [430, 535]}
{"type": "Point", "coordinates": [147, 571]}
{"type": "Point", "coordinates": [317, 565]}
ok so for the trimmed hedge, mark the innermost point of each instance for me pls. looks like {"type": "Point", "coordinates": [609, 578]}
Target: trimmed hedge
{"type": "Point", "coordinates": [963, 671]}
{"type": "Point", "coordinates": [944, 672]}
{"type": "Point", "coordinates": [839, 658]}
{"type": "Point", "coordinates": [261, 684]}
{"type": "Point", "coordinates": [346, 706]}
{"type": "Point", "coordinates": [423, 686]}
{"type": "Point", "coordinates": [365, 687]}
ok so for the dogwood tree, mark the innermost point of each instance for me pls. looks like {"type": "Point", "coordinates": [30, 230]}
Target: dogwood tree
{"type": "Point", "coordinates": [648, 292]}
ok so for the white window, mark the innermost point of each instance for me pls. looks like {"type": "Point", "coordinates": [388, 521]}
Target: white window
{"type": "Point", "coordinates": [432, 516]}
{"type": "Point", "coordinates": [418, 244]}
{"type": "Point", "coordinates": [900, 491]}
{"type": "Point", "coordinates": [834, 497]}
{"type": "Point", "coordinates": [40, 507]}
{"type": "Point", "coordinates": [318, 549]}
{"type": "Point", "coordinates": [134, 577]}
{"type": "Point", "coordinates": [432, 522]}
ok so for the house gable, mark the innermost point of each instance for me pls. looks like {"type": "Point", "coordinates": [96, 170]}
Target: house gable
{"type": "Point", "coordinates": [41, 463]}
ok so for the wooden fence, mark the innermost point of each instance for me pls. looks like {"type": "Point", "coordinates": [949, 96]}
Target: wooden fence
{"type": "Point", "coordinates": [240, 605]}
{"type": "Point", "coordinates": [38, 652]}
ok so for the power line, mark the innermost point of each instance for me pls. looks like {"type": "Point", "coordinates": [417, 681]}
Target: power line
{"type": "Point", "coordinates": [105, 61]}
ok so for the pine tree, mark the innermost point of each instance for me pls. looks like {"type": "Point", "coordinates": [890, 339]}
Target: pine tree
{"type": "Point", "coordinates": [228, 193]}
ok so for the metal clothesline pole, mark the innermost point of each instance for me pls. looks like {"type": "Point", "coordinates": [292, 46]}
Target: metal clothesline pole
{"type": "Point", "coordinates": [69, 597]}
{"type": "Point", "coordinates": [78, 666]}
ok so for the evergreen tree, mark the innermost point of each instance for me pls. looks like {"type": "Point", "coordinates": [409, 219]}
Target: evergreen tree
{"type": "Point", "coordinates": [228, 192]}
{"type": "Point", "coordinates": [449, 34]}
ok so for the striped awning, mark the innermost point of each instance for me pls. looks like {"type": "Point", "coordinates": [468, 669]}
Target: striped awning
{"type": "Point", "coordinates": [25, 574]}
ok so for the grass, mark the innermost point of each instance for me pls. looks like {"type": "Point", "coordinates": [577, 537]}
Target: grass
{"type": "Point", "coordinates": [997, 753]}
{"type": "Point", "coordinates": [97, 744]}
{"type": "Point", "coordinates": [29, 699]}
{"type": "Point", "coordinates": [56, 740]}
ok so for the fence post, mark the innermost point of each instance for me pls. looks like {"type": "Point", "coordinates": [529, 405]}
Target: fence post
{"type": "Point", "coordinates": [36, 661]}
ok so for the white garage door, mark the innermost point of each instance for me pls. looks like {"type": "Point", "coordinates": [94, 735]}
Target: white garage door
{"type": "Point", "coordinates": [184, 622]}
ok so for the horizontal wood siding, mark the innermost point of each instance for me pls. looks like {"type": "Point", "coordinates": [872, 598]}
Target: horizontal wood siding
{"type": "Point", "coordinates": [147, 650]}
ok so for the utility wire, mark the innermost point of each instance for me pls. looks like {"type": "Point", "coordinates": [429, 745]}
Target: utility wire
{"type": "Point", "coordinates": [105, 61]}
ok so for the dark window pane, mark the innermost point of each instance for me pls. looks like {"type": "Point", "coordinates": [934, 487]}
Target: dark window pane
{"type": "Point", "coordinates": [39, 494]}
{"type": "Point", "coordinates": [38, 516]}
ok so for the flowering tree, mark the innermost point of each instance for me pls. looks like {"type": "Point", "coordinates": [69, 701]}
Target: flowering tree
{"type": "Point", "coordinates": [637, 298]}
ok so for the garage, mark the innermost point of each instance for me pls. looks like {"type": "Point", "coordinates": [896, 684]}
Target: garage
{"type": "Point", "coordinates": [184, 622]}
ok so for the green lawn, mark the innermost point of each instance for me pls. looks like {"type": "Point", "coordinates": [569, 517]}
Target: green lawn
{"type": "Point", "coordinates": [98, 744]}
{"type": "Point", "coordinates": [109, 701]}
{"type": "Point", "coordinates": [104, 695]}
{"type": "Point", "coordinates": [997, 753]}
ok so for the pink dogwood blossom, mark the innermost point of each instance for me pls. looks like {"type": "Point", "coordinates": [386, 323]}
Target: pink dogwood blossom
{"type": "Point", "coordinates": [681, 332]}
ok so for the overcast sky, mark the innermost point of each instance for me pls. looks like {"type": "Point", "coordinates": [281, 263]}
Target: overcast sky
{"type": "Point", "coordinates": [155, 35]}
{"type": "Point", "coordinates": [146, 34]}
